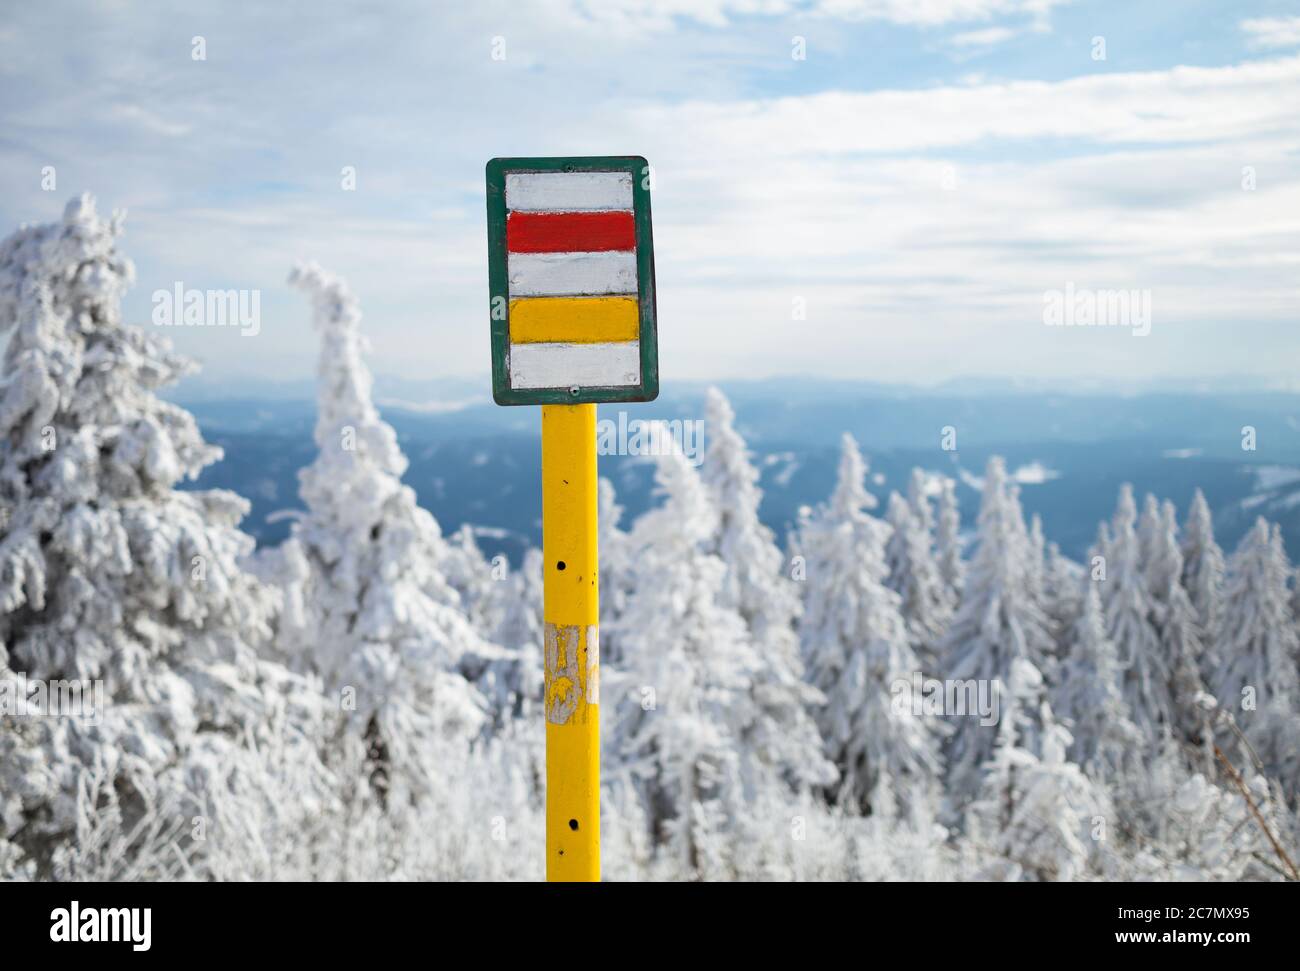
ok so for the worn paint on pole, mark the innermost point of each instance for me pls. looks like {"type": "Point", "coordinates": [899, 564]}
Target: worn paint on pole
{"type": "Point", "coordinates": [572, 643]}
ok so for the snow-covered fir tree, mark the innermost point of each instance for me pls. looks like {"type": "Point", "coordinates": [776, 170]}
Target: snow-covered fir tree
{"type": "Point", "coordinates": [616, 570]}
{"type": "Point", "coordinates": [1088, 696]}
{"type": "Point", "coordinates": [913, 574]}
{"type": "Point", "coordinates": [474, 579]}
{"type": "Point", "coordinates": [947, 541]}
{"type": "Point", "coordinates": [1295, 594]}
{"type": "Point", "coordinates": [1062, 602]}
{"type": "Point", "coordinates": [1100, 551]}
{"type": "Point", "coordinates": [1203, 573]}
{"type": "Point", "coordinates": [1128, 606]}
{"type": "Point", "coordinates": [690, 666]}
{"type": "Point", "coordinates": [1030, 538]}
{"type": "Point", "coordinates": [858, 652]}
{"type": "Point", "coordinates": [1259, 646]}
{"type": "Point", "coordinates": [504, 606]}
{"type": "Point", "coordinates": [110, 574]}
{"type": "Point", "coordinates": [755, 585]}
{"type": "Point", "coordinates": [1148, 529]}
{"type": "Point", "coordinates": [999, 622]}
{"type": "Point", "coordinates": [511, 679]}
{"type": "Point", "coordinates": [521, 626]}
{"type": "Point", "coordinates": [1257, 679]}
{"type": "Point", "coordinates": [1040, 815]}
{"type": "Point", "coordinates": [1181, 638]}
{"type": "Point", "coordinates": [918, 497]}
{"type": "Point", "coordinates": [1037, 558]}
{"type": "Point", "coordinates": [378, 619]}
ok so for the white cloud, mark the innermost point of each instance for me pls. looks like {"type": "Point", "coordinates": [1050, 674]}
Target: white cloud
{"type": "Point", "coordinates": [652, 15]}
{"type": "Point", "coordinates": [1273, 31]}
{"type": "Point", "coordinates": [1035, 473]}
{"type": "Point", "coordinates": [136, 116]}
{"type": "Point", "coordinates": [988, 37]}
{"type": "Point", "coordinates": [1116, 180]}
{"type": "Point", "coordinates": [840, 199]}
{"type": "Point", "coordinates": [1184, 104]}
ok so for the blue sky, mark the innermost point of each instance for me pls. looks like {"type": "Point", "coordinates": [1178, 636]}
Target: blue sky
{"type": "Point", "coordinates": [916, 184]}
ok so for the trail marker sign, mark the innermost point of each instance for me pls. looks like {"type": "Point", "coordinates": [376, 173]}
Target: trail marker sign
{"type": "Point", "coordinates": [571, 272]}
{"type": "Point", "coordinates": [572, 280]}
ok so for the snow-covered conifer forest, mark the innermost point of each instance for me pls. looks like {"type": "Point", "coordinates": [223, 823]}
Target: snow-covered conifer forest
{"type": "Point", "coordinates": [887, 693]}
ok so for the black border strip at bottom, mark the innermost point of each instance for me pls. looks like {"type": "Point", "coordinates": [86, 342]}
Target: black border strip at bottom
{"type": "Point", "coordinates": [944, 921]}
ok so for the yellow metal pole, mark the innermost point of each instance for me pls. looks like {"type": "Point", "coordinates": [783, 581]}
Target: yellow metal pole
{"type": "Point", "coordinates": [572, 614]}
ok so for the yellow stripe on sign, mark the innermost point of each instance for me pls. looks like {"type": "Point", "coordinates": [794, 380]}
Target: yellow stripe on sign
{"type": "Point", "coordinates": [573, 320]}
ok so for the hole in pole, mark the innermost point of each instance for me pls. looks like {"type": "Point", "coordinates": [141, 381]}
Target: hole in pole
{"type": "Point", "coordinates": [573, 824]}
{"type": "Point", "coordinates": [559, 565]}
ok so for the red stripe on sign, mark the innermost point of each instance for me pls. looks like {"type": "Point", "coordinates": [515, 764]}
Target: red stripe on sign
{"type": "Point", "coordinates": [570, 232]}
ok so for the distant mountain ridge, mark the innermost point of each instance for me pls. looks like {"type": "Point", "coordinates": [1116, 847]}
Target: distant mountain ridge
{"type": "Point", "coordinates": [474, 462]}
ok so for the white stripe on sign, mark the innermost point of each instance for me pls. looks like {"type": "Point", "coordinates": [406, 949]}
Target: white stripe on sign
{"type": "Point", "coordinates": [570, 365]}
{"type": "Point", "coordinates": [568, 191]}
{"type": "Point", "coordinates": [572, 274]}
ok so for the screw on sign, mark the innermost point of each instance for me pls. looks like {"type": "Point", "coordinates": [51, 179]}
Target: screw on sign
{"type": "Point", "coordinates": [572, 287]}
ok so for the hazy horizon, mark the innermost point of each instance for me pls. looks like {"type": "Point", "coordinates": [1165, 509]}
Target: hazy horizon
{"type": "Point", "coordinates": [440, 386]}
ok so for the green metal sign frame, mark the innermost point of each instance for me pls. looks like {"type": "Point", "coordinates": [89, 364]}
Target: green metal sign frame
{"type": "Point", "coordinates": [499, 284]}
